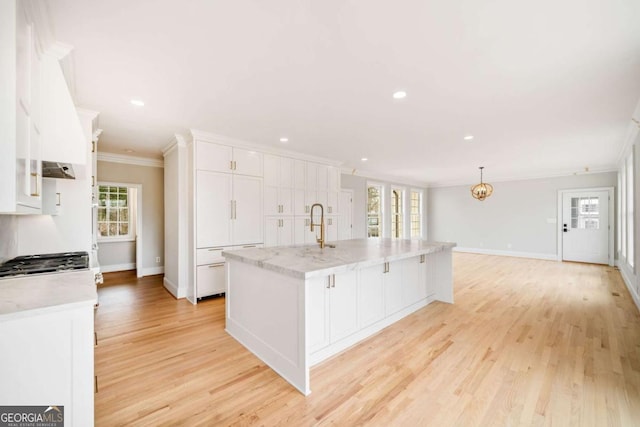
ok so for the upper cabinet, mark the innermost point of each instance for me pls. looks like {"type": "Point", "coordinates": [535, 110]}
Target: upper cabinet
{"type": "Point", "coordinates": [38, 117]}
{"type": "Point", "coordinates": [20, 111]}
{"type": "Point", "coordinates": [224, 158]}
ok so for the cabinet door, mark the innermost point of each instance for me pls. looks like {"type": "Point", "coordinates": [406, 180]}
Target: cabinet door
{"type": "Point", "coordinates": [271, 170]}
{"type": "Point", "coordinates": [210, 280]}
{"type": "Point", "coordinates": [393, 288]}
{"type": "Point", "coordinates": [271, 225]}
{"type": "Point", "coordinates": [248, 218]}
{"type": "Point", "coordinates": [287, 173]}
{"type": "Point", "coordinates": [331, 234]}
{"type": "Point", "coordinates": [332, 202]}
{"type": "Point", "coordinates": [343, 305]}
{"type": "Point", "coordinates": [302, 231]}
{"type": "Point", "coordinates": [286, 232]}
{"type": "Point", "coordinates": [316, 312]}
{"type": "Point", "coordinates": [323, 177]}
{"type": "Point", "coordinates": [430, 275]}
{"type": "Point", "coordinates": [309, 199]}
{"type": "Point", "coordinates": [334, 179]}
{"type": "Point", "coordinates": [300, 202]}
{"type": "Point", "coordinates": [285, 200]}
{"type": "Point", "coordinates": [213, 209]}
{"type": "Point", "coordinates": [271, 201]}
{"type": "Point", "coordinates": [299, 174]}
{"type": "Point", "coordinates": [312, 176]}
{"type": "Point", "coordinates": [370, 295]}
{"type": "Point", "coordinates": [51, 197]}
{"type": "Point", "coordinates": [412, 288]}
{"type": "Point", "coordinates": [247, 162]}
{"type": "Point", "coordinates": [213, 157]}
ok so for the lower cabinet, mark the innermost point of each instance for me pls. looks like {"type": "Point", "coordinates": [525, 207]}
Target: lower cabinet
{"type": "Point", "coordinates": [371, 295]}
{"type": "Point", "coordinates": [393, 287]}
{"type": "Point", "coordinates": [47, 359]}
{"type": "Point", "coordinates": [331, 309]}
{"type": "Point", "coordinates": [210, 274]}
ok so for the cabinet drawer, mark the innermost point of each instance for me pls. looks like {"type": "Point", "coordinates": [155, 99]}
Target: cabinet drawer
{"type": "Point", "coordinates": [209, 255]}
{"type": "Point", "coordinates": [210, 279]}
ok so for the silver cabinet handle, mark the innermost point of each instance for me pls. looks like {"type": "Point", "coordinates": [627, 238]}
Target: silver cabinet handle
{"type": "Point", "coordinates": [217, 264]}
{"type": "Point", "coordinates": [59, 202]}
{"type": "Point", "coordinates": [215, 249]}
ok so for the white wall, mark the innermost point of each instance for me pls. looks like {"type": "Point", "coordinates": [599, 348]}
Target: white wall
{"type": "Point", "coordinates": [516, 219]}
{"type": "Point", "coordinates": [8, 237]}
{"type": "Point", "coordinates": [152, 181]}
{"type": "Point", "coordinates": [68, 231]}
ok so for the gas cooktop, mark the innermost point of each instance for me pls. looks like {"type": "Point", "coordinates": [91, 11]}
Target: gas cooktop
{"type": "Point", "coordinates": [44, 263]}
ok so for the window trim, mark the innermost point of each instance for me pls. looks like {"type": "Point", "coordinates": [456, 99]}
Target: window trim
{"type": "Point", "coordinates": [420, 193]}
{"type": "Point", "coordinates": [131, 236]}
{"type": "Point", "coordinates": [400, 196]}
{"type": "Point", "coordinates": [381, 219]}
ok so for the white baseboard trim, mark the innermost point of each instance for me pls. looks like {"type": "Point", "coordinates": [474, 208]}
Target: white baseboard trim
{"type": "Point", "coordinates": [173, 288]}
{"type": "Point", "coordinates": [628, 279]}
{"type": "Point", "coordinates": [152, 270]}
{"type": "Point", "coordinates": [533, 255]}
{"type": "Point", "coordinates": [117, 267]}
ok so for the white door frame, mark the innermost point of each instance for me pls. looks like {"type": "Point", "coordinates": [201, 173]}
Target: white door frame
{"type": "Point", "coordinates": [612, 224]}
{"type": "Point", "coordinates": [350, 191]}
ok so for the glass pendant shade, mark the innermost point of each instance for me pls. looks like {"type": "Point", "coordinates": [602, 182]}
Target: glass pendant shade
{"type": "Point", "coordinates": [483, 190]}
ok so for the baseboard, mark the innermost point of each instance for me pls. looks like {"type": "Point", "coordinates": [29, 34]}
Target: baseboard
{"type": "Point", "coordinates": [172, 288]}
{"type": "Point", "coordinates": [533, 255]}
{"type": "Point", "coordinates": [628, 279]}
{"type": "Point", "coordinates": [152, 271]}
{"type": "Point", "coordinates": [117, 267]}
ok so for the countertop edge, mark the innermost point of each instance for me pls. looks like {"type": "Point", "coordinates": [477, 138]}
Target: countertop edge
{"type": "Point", "coordinates": [435, 247]}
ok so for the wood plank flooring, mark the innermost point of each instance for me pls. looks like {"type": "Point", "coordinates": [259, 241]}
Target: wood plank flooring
{"type": "Point", "coordinates": [527, 342]}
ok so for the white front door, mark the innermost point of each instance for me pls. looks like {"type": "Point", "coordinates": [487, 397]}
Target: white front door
{"type": "Point", "coordinates": [585, 226]}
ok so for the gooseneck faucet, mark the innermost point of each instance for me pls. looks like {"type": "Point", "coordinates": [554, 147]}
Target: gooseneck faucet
{"type": "Point", "coordinates": [321, 224]}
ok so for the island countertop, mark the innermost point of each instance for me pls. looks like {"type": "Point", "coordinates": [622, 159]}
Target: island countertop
{"type": "Point", "coordinates": [308, 261]}
{"type": "Point", "coordinates": [33, 294]}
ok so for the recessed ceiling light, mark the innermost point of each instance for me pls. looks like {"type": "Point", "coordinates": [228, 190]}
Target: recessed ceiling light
{"type": "Point", "coordinates": [284, 139]}
{"type": "Point", "coordinates": [137, 102]}
{"type": "Point", "coordinates": [364, 159]}
{"type": "Point", "coordinates": [468, 137]}
{"type": "Point", "coordinates": [399, 94]}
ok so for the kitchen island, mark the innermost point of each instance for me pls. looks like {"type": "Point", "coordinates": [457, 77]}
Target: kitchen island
{"type": "Point", "coordinates": [296, 306]}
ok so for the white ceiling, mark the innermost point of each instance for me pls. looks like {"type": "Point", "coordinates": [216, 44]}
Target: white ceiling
{"type": "Point", "coordinates": [547, 87]}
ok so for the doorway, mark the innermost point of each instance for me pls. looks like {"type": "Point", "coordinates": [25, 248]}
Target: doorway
{"type": "Point", "coordinates": [585, 231]}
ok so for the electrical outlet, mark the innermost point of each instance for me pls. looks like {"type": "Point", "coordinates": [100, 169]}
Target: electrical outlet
{"type": "Point", "coordinates": [157, 259]}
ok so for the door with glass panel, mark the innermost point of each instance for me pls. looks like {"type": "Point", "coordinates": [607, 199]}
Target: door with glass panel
{"type": "Point", "coordinates": [585, 226]}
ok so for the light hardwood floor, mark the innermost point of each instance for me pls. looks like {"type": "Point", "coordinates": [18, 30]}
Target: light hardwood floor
{"type": "Point", "coordinates": [527, 342]}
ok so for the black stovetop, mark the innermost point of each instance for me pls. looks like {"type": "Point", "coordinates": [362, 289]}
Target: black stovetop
{"type": "Point", "coordinates": [44, 263]}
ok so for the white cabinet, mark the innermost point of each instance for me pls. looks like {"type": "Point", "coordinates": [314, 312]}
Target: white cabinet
{"type": "Point", "coordinates": [333, 179]}
{"type": "Point", "coordinates": [331, 232]}
{"type": "Point", "coordinates": [392, 287]}
{"type": "Point", "coordinates": [302, 231]}
{"type": "Point", "coordinates": [54, 362]}
{"type": "Point", "coordinates": [228, 209]}
{"type": "Point", "coordinates": [332, 202]}
{"type": "Point", "coordinates": [51, 197]}
{"type": "Point", "coordinates": [210, 278]}
{"type": "Point", "coordinates": [278, 171]}
{"type": "Point", "coordinates": [371, 295]}
{"type": "Point", "coordinates": [279, 232]}
{"type": "Point", "coordinates": [331, 309]}
{"type": "Point", "coordinates": [299, 174]}
{"type": "Point", "coordinates": [278, 201]}
{"type": "Point", "coordinates": [224, 158]}
{"type": "Point", "coordinates": [414, 288]}
{"type": "Point", "coordinates": [20, 111]}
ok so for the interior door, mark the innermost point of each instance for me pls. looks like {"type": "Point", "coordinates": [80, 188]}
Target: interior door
{"type": "Point", "coordinates": [585, 226]}
{"type": "Point", "coordinates": [345, 214]}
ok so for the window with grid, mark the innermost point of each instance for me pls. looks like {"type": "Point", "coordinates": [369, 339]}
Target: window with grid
{"type": "Point", "coordinates": [397, 196]}
{"type": "Point", "coordinates": [416, 214]}
{"type": "Point", "coordinates": [374, 211]}
{"type": "Point", "coordinates": [113, 213]}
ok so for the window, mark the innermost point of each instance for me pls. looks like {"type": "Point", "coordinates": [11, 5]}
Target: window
{"type": "Point", "coordinates": [416, 214]}
{"type": "Point", "coordinates": [374, 210]}
{"type": "Point", "coordinates": [397, 198]}
{"type": "Point", "coordinates": [114, 213]}
{"type": "Point", "coordinates": [585, 213]}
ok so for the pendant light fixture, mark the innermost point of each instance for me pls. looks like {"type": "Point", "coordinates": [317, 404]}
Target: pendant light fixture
{"type": "Point", "coordinates": [481, 191]}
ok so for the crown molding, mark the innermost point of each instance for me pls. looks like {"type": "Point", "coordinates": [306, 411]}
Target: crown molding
{"type": "Point", "coordinates": [177, 141]}
{"type": "Point", "coordinates": [391, 179]}
{"type": "Point", "coordinates": [130, 160]}
{"type": "Point", "coordinates": [221, 139]}
{"type": "Point", "coordinates": [459, 183]}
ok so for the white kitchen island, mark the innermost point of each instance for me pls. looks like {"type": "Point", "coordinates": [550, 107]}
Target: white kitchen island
{"type": "Point", "coordinates": [295, 306]}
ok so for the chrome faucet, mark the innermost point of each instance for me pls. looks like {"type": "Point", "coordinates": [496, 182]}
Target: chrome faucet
{"type": "Point", "coordinates": [321, 225]}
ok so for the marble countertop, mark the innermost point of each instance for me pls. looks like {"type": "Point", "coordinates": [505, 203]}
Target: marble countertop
{"type": "Point", "coordinates": [310, 261]}
{"type": "Point", "coordinates": [30, 295]}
